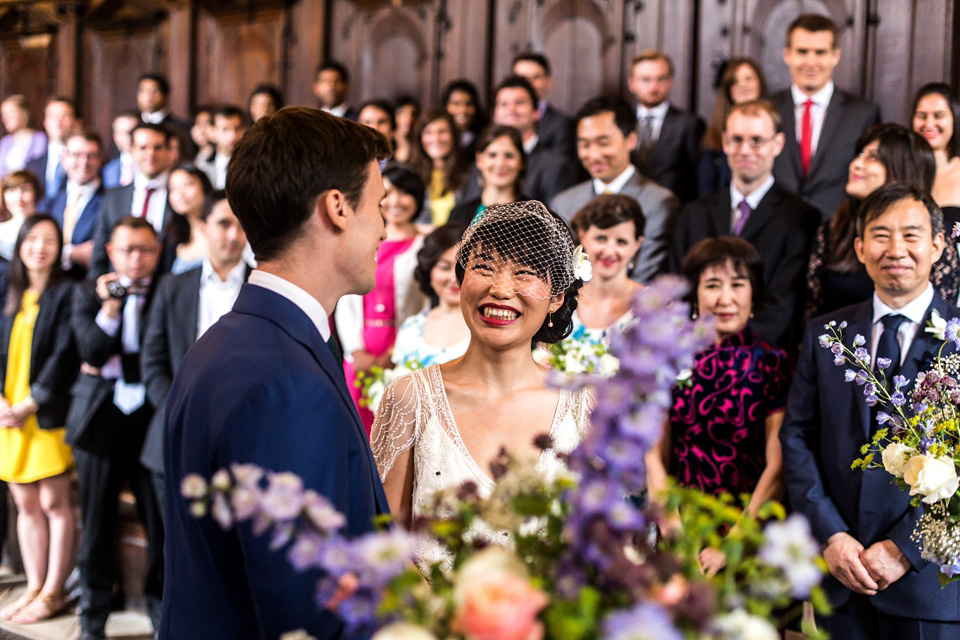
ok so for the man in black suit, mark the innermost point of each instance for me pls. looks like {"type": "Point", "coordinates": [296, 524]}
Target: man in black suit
{"type": "Point", "coordinates": [668, 139]}
{"type": "Point", "coordinates": [185, 306]}
{"type": "Point", "coordinates": [229, 124]}
{"type": "Point", "coordinates": [77, 206]}
{"type": "Point", "coordinates": [145, 197]}
{"type": "Point", "coordinates": [109, 416]}
{"type": "Point", "coordinates": [59, 119]}
{"type": "Point", "coordinates": [879, 585]}
{"type": "Point", "coordinates": [554, 128]}
{"type": "Point", "coordinates": [778, 224]}
{"type": "Point", "coordinates": [547, 171]}
{"type": "Point", "coordinates": [331, 87]}
{"type": "Point", "coordinates": [153, 101]}
{"type": "Point", "coordinates": [822, 123]}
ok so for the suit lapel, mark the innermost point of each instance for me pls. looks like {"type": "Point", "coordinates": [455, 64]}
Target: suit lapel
{"type": "Point", "coordinates": [668, 131]}
{"type": "Point", "coordinates": [790, 147]}
{"type": "Point", "coordinates": [831, 122]}
{"type": "Point", "coordinates": [191, 307]}
{"type": "Point", "coordinates": [720, 214]}
{"type": "Point", "coordinates": [763, 215]}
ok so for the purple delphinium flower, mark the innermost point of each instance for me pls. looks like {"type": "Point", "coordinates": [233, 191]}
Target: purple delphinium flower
{"type": "Point", "coordinates": [645, 621]}
{"type": "Point", "coordinates": [884, 363]}
{"type": "Point", "coordinates": [898, 399]}
{"type": "Point", "coordinates": [952, 332]}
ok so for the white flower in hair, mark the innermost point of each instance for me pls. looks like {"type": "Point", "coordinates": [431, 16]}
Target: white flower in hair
{"type": "Point", "coordinates": [581, 264]}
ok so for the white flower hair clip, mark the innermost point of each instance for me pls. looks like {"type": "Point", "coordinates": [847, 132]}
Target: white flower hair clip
{"type": "Point", "coordinates": [581, 264]}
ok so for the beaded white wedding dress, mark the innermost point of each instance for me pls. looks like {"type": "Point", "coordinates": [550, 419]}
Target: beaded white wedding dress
{"type": "Point", "coordinates": [414, 413]}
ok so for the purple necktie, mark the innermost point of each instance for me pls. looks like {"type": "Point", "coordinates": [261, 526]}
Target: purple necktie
{"type": "Point", "coordinates": [745, 212]}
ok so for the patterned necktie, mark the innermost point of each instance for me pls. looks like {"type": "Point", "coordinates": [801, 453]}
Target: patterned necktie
{"type": "Point", "coordinates": [889, 346]}
{"type": "Point", "coordinates": [806, 137]}
{"type": "Point", "coordinates": [741, 220]}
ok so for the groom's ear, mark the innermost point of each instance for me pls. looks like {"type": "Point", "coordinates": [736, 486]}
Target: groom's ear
{"type": "Point", "coordinates": [333, 209]}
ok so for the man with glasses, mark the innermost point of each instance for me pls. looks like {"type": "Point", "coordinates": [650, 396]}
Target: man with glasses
{"type": "Point", "coordinates": [77, 207]}
{"type": "Point", "coordinates": [109, 417]}
{"type": "Point", "coordinates": [756, 208]}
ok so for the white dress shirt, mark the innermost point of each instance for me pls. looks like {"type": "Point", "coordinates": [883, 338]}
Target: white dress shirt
{"type": "Point", "coordinates": [818, 111]}
{"type": "Point", "coordinates": [217, 296]}
{"type": "Point", "coordinates": [158, 199]}
{"type": "Point", "coordinates": [531, 144]}
{"type": "Point", "coordinates": [914, 312]}
{"type": "Point", "coordinates": [54, 155]}
{"type": "Point", "coordinates": [340, 110]}
{"type": "Point", "coordinates": [154, 118]}
{"type": "Point", "coordinates": [658, 112]}
{"type": "Point", "coordinates": [616, 184]}
{"type": "Point", "coordinates": [306, 302]}
{"type": "Point", "coordinates": [220, 171]}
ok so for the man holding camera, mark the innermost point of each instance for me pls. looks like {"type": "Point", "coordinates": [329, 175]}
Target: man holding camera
{"type": "Point", "coordinates": [109, 417]}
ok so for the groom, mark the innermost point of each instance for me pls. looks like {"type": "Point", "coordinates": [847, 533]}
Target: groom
{"type": "Point", "coordinates": [265, 384]}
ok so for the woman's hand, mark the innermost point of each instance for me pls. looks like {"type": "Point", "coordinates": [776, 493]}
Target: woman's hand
{"type": "Point", "coordinates": [22, 410]}
{"type": "Point", "coordinates": [6, 417]}
{"type": "Point", "coordinates": [711, 561]}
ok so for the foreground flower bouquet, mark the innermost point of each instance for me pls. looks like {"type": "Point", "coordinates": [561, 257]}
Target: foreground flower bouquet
{"type": "Point", "coordinates": [571, 557]}
{"type": "Point", "coordinates": [918, 441]}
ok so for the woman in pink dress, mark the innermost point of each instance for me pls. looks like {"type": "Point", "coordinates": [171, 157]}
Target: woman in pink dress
{"type": "Point", "coordinates": [367, 325]}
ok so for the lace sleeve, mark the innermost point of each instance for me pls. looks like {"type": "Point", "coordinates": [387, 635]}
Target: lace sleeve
{"type": "Point", "coordinates": [945, 274]}
{"type": "Point", "coordinates": [583, 407]}
{"type": "Point", "coordinates": [397, 424]}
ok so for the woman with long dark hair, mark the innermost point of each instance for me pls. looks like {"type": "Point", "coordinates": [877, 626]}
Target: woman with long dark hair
{"type": "Point", "coordinates": [436, 155]}
{"type": "Point", "coordinates": [39, 364]}
{"type": "Point", "coordinates": [190, 196]}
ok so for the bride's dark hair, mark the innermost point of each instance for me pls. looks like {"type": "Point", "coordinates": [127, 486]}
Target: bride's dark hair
{"type": "Point", "coordinates": [527, 233]}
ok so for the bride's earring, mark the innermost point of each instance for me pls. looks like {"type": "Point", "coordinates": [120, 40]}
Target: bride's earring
{"type": "Point", "coordinates": [550, 320]}
{"type": "Point", "coordinates": [695, 314]}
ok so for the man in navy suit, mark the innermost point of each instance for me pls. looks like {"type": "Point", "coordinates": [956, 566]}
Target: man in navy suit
{"type": "Point", "coordinates": [822, 122]}
{"type": "Point", "coordinates": [265, 384]}
{"type": "Point", "coordinates": [554, 128]}
{"type": "Point", "coordinates": [879, 585]}
{"type": "Point", "coordinates": [77, 207]}
{"type": "Point", "coordinates": [59, 119]}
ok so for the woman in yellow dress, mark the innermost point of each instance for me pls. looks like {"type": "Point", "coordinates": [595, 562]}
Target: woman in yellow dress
{"type": "Point", "coordinates": [38, 364]}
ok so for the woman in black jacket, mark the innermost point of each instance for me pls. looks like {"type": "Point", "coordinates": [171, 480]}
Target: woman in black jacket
{"type": "Point", "coordinates": [38, 364]}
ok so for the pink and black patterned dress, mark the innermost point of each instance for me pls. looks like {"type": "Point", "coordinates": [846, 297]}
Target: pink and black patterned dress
{"type": "Point", "coordinates": [718, 417]}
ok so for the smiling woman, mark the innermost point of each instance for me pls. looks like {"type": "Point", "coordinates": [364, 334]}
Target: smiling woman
{"type": "Point", "coordinates": [444, 425]}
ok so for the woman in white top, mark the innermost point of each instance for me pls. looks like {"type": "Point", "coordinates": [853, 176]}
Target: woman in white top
{"type": "Point", "coordinates": [610, 228]}
{"type": "Point", "coordinates": [439, 334]}
{"type": "Point", "coordinates": [443, 425]}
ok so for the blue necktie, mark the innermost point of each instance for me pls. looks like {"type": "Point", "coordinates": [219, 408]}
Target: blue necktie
{"type": "Point", "coordinates": [889, 346]}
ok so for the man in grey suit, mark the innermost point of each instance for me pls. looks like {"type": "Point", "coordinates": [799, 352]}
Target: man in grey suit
{"type": "Point", "coordinates": [554, 128]}
{"type": "Point", "coordinates": [822, 122]}
{"type": "Point", "coordinates": [606, 134]}
{"type": "Point", "coordinates": [184, 307]}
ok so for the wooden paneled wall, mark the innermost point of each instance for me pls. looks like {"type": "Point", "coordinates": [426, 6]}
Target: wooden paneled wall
{"type": "Point", "coordinates": [217, 50]}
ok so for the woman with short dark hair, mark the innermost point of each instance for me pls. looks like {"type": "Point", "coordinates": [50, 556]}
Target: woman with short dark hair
{"type": "Point", "coordinates": [722, 431]}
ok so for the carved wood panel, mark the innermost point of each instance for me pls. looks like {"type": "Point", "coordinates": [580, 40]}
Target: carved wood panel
{"type": "Point", "coordinates": [236, 50]}
{"type": "Point", "coordinates": [26, 66]}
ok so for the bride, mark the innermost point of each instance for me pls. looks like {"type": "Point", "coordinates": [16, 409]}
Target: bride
{"type": "Point", "coordinates": [443, 425]}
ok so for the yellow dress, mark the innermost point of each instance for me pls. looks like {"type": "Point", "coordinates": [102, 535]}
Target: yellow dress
{"type": "Point", "coordinates": [440, 205]}
{"type": "Point", "coordinates": [28, 453]}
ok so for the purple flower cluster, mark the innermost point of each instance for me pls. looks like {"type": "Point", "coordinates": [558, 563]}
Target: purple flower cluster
{"type": "Point", "coordinates": [933, 388]}
{"type": "Point", "coordinates": [627, 421]}
{"type": "Point", "coordinates": [646, 621]}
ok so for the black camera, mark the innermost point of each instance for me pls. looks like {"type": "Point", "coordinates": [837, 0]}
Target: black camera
{"type": "Point", "coordinates": [119, 291]}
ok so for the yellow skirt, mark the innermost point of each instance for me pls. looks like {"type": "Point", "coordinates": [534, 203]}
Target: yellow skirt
{"type": "Point", "coordinates": [28, 453]}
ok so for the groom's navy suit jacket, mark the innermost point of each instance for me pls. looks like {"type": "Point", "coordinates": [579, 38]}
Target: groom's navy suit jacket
{"type": "Point", "coordinates": [261, 386]}
{"type": "Point", "coordinates": [827, 421]}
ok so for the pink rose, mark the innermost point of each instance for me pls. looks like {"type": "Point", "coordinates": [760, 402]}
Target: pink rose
{"type": "Point", "coordinates": [495, 601]}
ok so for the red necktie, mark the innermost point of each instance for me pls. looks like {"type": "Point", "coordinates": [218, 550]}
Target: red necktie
{"type": "Point", "coordinates": [146, 202]}
{"type": "Point", "coordinates": [806, 137]}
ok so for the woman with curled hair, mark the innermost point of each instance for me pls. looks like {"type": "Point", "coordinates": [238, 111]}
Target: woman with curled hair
{"type": "Point", "coordinates": [436, 156]}
{"type": "Point", "coordinates": [886, 153]}
{"type": "Point", "coordinates": [610, 228]}
{"type": "Point", "coordinates": [39, 363]}
{"type": "Point", "coordinates": [936, 114]}
{"type": "Point", "coordinates": [367, 324]}
{"type": "Point", "coordinates": [722, 431]}
{"type": "Point", "coordinates": [445, 424]}
{"type": "Point", "coordinates": [440, 333]}
{"type": "Point", "coordinates": [502, 164]}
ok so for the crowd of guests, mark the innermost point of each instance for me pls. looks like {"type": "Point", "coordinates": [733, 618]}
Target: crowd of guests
{"type": "Point", "coordinates": [112, 270]}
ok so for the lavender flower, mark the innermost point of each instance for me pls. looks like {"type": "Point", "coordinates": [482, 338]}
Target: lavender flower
{"type": "Point", "coordinates": [849, 375]}
{"type": "Point", "coordinates": [898, 399]}
{"type": "Point", "coordinates": [952, 332]}
{"type": "Point", "coordinates": [646, 621]}
{"type": "Point", "coordinates": [899, 381]}
{"type": "Point", "coordinates": [283, 499]}
{"type": "Point", "coordinates": [884, 363]}
{"type": "Point", "coordinates": [790, 547]}
{"type": "Point", "coordinates": [859, 340]}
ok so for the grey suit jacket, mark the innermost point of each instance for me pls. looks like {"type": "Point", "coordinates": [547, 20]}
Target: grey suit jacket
{"type": "Point", "coordinates": [660, 208]}
{"type": "Point", "coordinates": [847, 118]}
